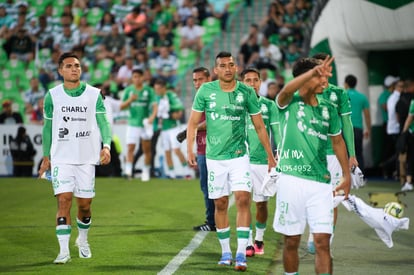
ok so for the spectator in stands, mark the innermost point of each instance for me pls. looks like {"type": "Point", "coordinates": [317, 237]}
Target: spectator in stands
{"type": "Point", "coordinates": [67, 40]}
{"type": "Point", "coordinates": [36, 117]}
{"type": "Point", "coordinates": [360, 114]}
{"type": "Point", "coordinates": [272, 90]}
{"type": "Point", "coordinates": [104, 28]}
{"type": "Point", "coordinates": [32, 95]}
{"type": "Point", "coordinates": [91, 48]}
{"type": "Point", "coordinates": [159, 16]}
{"type": "Point", "coordinates": [202, 10]}
{"type": "Point", "coordinates": [123, 77]}
{"type": "Point", "coordinates": [269, 55]}
{"type": "Point", "coordinates": [253, 30]}
{"type": "Point", "coordinates": [134, 20]}
{"type": "Point", "coordinates": [186, 10]}
{"type": "Point", "coordinates": [42, 35]}
{"type": "Point", "coordinates": [163, 37]}
{"type": "Point", "coordinates": [264, 75]}
{"type": "Point", "coordinates": [112, 43]}
{"type": "Point", "coordinates": [49, 71]}
{"type": "Point", "coordinates": [6, 21]}
{"type": "Point", "coordinates": [22, 151]}
{"type": "Point", "coordinates": [291, 22]}
{"type": "Point", "coordinates": [119, 61]}
{"type": "Point", "coordinates": [8, 116]}
{"type": "Point", "coordinates": [273, 21]}
{"type": "Point", "coordinates": [139, 40]}
{"type": "Point", "coordinates": [142, 63]}
{"type": "Point", "coordinates": [220, 10]}
{"type": "Point", "coordinates": [291, 55]}
{"type": "Point", "coordinates": [85, 30]}
{"type": "Point", "coordinates": [249, 51]}
{"type": "Point", "coordinates": [165, 66]}
{"type": "Point", "coordinates": [191, 35]}
{"type": "Point", "coordinates": [121, 9]}
{"type": "Point", "coordinates": [20, 45]}
{"type": "Point", "coordinates": [66, 20]}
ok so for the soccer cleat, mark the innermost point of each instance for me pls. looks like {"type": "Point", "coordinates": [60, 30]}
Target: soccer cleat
{"type": "Point", "coordinates": [226, 259]}
{"type": "Point", "coordinates": [204, 227]}
{"type": "Point", "coordinates": [145, 176]}
{"type": "Point", "coordinates": [258, 247]}
{"type": "Point", "coordinates": [249, 251]}
{"type": "Point", "coordinates": [407, 187]}
{"type": "Point", "coordinates": [84, 249]}
{"type": "Point", "coordinates": [62, 259]}
{"type": "Point", "coordinates": [241, 263]}
{"type": "Point", "coordinates": [311, 247]}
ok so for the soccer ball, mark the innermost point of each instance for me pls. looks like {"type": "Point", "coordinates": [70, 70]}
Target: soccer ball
{"type": "Point", "coordinates": [394, 209]}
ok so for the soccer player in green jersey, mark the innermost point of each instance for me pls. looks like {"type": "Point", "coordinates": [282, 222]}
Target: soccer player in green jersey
{"type": "Point", "coordinates": [170, 112]}
{"type": "Point", "coordinates": [75, 123]}
{"type": "Point", "coordinates": [340, 99]}
{"type": "Point", "coordinates": [142, 112]}
{"type": "Point", "coordinates": [258, 160]}
{"type": "Point", "coordinates": [304, 193]}
{"type": "Point", "coordinates": [227, 103]}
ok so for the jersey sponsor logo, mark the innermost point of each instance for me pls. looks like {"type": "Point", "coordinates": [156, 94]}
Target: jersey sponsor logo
{"type": "Point", "coordinates": [73, 109]}
{"type": "Point", "coordinates": [212, 96]}
{"type": "Point", "coordinates": [214, 116]}
{"type": "Point", "coordinates": [63, 132]}
{"type": "Point", "coordinates": [291, 154]}
{"type": "Point", "coordinates": [66, 118]}
{"type": "Point", "coordinates": [82, 134]}
{"type": "Point", "coordinates": [231, 118]}
{"type": "Point", "coordinates": [312, 132]}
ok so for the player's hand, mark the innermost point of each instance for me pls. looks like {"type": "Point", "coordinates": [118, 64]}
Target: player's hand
{"type": "Point", "coordinates": [344, 187]}
{"type": "Point", "coordinates": [44, 166]}
{"type": "Point", "coordinates": [133, 97]}
{"type": "Point", "coordinates": [105, 156]}
{"type": "Point", "coordinates": [181, 136]}
{"type": "Point", "coordinates": [192, 162]}
{"type": "Point", "coordinates": [353, 162]}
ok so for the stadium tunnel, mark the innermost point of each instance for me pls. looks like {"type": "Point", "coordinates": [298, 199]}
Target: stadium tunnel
{"type": "Point", "coordinates": [369, 39]}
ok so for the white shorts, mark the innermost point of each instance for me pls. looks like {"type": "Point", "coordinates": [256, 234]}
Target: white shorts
{"type": "Point", "coordinates": [169, 139]}
{"type": "Point", "coordinates": [76, 179]}
{"type": "Point", "coordinates": [258, 173]}
{"type": "Point", "coordinates": [134, 134]}
{"type": "Point", "coordinates": [299, 201]}
{"type": "Point", "coordinates": [227, 176]}
{"type": "Point", "coordinates": [335, 170]}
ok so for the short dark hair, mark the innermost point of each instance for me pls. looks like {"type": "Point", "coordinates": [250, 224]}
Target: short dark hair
{"type": "Point", "coordinates": [222, 55]}
{"type": "Point", "coordinates": [66, 55]}
{"type": "Point", "coordinates": [320, 56]}
{"type": "Point", "coordinates": [137, 71]}
{"type": "Point", "coordinates": [304, 64]}
{"type": "Point", "coordinates": [250, 70]}
{"type": "Point", "coordinates": [203, 70]}
{"type": "Point", "coordinates": [351, 81]}
{"type": "Point", "coordinates": [160, 81]}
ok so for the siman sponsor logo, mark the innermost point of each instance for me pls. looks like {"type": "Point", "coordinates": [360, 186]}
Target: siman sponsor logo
{"type": "Point", "coordinates": [67, 119]}
{"type": "Point", "coordinates": [83, 134]}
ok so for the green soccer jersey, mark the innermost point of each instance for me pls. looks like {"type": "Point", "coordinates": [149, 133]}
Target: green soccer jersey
{"type": "Point", "coordinates": [141, 107]}
{"type": "Point", "coordinates": [411, 112]}
{"type": "Point", "coordinates": [226, 118]}
{"type": "Point", "coordinates": [305, 133]}
{"type": "Point", "coordinates": [257, 153]}
{"type": "Point", "coordinates": [340, 99]}
{"type": "Point", "coordinates": [173, 104]}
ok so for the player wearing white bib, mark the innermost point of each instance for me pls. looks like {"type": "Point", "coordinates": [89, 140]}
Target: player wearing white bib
{"type": "Point", "coordinates": [227, 103]}
{"type": "Point", "coordinates": [75, 125]}
{"type": "Point", "coordinates": [258, 159]}
{"type": "Point", "coordinates": [304, 194]}
{"type": "Point", "coordinates": [142, 112]}
{"type": "Point", "coordinates": [340, 99]}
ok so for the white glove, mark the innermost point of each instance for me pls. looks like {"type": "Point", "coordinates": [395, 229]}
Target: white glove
{"type": "Point", "coordinates": [269, 185]}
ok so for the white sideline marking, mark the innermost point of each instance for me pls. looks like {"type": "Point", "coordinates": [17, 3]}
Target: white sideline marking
{"type": "Point", "coordinates": [175, 263]}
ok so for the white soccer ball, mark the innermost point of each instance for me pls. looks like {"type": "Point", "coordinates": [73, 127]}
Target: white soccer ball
{"type": "Point", "coordinates": [394, 209]}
